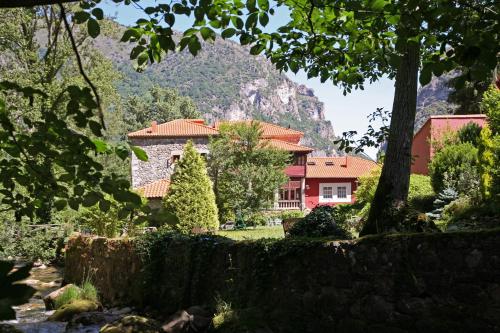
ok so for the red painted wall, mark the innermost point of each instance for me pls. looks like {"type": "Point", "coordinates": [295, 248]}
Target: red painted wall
{"type": "Point", "coordinates": [312, 193]}
{"type": "Point", "coordinates": [433, 129]}
{"type": "Point", "coordinates": [421, 150]}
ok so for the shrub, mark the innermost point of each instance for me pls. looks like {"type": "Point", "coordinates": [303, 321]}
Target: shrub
{"type": "Point", "coordinates": [291, 214]}
{"type": "Point", "coordinates": [454, 161]}
{"type": "Point", "coordinates": [70, 294]}
{"type": "Point", "coordinates": [87, 291]}
{"type": "Point", "coordinates": [321, 222]}
{"type": "Point", "coordinates": [469, 133]}
{"type": "Point", "coordinates": [257, 218]}
{"type": "Point", "coordinates": [191, 197]}
{"type": "Point", "coordinates": [39, 245]}
{"type": "Point", "coordinates": [490, 105]}
{"type": "Point", "coordinates": [489, 161]}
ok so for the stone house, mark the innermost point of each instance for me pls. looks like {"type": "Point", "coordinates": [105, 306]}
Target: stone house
{"type": "Point", "coordinates": [312, 180]}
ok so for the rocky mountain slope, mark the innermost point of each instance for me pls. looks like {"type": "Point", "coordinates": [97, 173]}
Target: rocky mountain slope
{"type": "Point", "coordinates": [228, 83]}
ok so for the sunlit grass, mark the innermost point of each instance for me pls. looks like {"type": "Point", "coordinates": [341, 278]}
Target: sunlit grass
{"type": "Point", "coordinates": [253, 233]}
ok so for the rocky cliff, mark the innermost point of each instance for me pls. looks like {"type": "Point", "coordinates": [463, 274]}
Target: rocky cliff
{"type": "Point", "coordinates": [228, 83]}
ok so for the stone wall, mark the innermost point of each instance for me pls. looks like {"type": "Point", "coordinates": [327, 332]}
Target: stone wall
{"type": "Point", "coordinates": [391, 283]}
{"type": "Point", "coordinates": [159, 164]}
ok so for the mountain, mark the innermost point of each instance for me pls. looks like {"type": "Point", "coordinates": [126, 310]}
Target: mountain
{"type": "Point", "coordinates": [432, 99]}
{"type": "Point", "coordinates": [227, 82]}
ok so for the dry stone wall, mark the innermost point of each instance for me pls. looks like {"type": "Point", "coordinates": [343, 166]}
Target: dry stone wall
{"type": "Point", "coordinates": [159, 164]}
{"type": "Point", "coordinates": [400, 283]}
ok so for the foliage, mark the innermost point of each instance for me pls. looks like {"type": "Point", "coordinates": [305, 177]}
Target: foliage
{"type": "Point", "coordinates": [87, 291]}
{"type": "Point", "coordinates": [490, 105]}
{"type": "Point", "coordinates": [290, 214]}
{"type": "Point", "coordinates": [443, 198]}
{"type": "Point", "coordinates": [470, 133]}
{"type": "Point", "coordinates": [489, 164]}
{"type": "Point", "coordinates": [190, 196]}
{"type": "Point", "coordinates": [320, 222]}
{"type": "Point", "coordinates": [246, 172]}
{"type": "Point", "coordinates": [420, 189]}
{"type": "Point", "coordinates": [257, 219]}
{"type": "Point", "coordinates": [161, 105]}
{"type": "Point", "coordinates": [70, 294]}
{"type": "Point", "coordinates": [114, 221]}
{"type": "Point", "coordinates": [51, 122]}
{"type": "Point", "coordinates": [453, 161]}
{"type": "Point", "coordinates": [20, 241]}
{"type": "Point", "coordinates": [446, 137]}
{"type": "Point", "coordinates": [12, 292]}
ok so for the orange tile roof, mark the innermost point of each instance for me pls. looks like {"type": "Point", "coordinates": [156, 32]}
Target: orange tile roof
{"type": "Point", "coordinates": [156, 189]}
{"type": "Point", "coordinates": [337, 168]}
{"type": "Point", "coordinates": [288, 146]}
{"type": "Point", "coordinates": [176, 128]}
{"type": "Point", "coordinates": [268, 130]}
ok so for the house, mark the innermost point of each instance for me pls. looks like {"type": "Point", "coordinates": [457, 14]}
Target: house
{"type": "Point", "coordinates": [434, 129]}
{"type": "Point", "coordinates": [311, 180]}
{"type": "Point", "coordinates": [334, 180]}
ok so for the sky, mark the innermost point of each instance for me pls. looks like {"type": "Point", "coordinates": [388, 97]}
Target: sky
{"type": "Point", "coordinates": [347, 113]}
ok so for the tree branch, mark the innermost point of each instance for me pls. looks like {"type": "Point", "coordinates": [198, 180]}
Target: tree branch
{"type": "Point", "coordinates": [30, 3]}
{"type": "Point", "coordinates": [80, 64]}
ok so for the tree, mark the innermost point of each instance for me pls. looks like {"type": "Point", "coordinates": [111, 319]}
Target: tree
{"type": "Point", "coordinates": [245, 170]}
{"type": "Point", "coordinates": [346, 41]}
{"type": "Point", "coordinates": [190, 196]}
{"type": "Point", "coordinates": [161, 105]}
{"type": "Point", "coordinates": [51, 118]}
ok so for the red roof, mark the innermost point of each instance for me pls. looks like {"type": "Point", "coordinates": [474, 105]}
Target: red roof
{"type": "Point", "coordinates": [268, 130]}
{"type": "Point", "coordinates": [288, 146]}
{"type": "Point", "coordinates": [176, 128]}
{"type": "Point", "coordinates": [338, 167]}
{"type": "Point", "coordinates": [157, 189]}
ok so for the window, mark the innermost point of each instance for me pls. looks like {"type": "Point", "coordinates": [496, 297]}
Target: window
{"type": "Point", "coordinates": [341, 192]}
{"type": "Point", "coordinates": [334, 192]}
{"type": "Point", "coordinates": [175, 158]}
{"type": "Point", "coordinates": [327, 192]}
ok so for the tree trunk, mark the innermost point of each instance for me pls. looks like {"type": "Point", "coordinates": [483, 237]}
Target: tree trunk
{"type": "Point", "coordinates": [392, 190]}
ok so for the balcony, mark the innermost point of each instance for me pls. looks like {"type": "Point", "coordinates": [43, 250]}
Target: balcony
{"type": "Point", "coordinates": [288, 204]}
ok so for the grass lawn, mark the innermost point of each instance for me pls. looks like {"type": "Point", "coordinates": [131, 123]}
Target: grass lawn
{"type": "Point", "coordinates": [253, 233]}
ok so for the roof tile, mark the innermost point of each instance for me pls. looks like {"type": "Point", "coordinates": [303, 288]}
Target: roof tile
{"type": "Point", "coordinates": [176, 128]}
{"type": "Point", "coordinates": [336, 167]}
{"type": "Point", "coordinates": [157, 189]}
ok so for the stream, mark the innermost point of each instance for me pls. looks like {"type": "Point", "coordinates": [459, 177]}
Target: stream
{"type": "Point", "coordinates": [31, 317]}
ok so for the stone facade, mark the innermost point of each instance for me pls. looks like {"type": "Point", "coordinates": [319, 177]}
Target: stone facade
{"type": "Point", "coordinates": [160, 152]}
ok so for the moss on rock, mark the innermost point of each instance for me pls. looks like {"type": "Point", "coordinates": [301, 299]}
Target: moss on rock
{"type": "Point", "coordinates": [67, 311]}
{"type": "Point", "coordinates": [132, 324]}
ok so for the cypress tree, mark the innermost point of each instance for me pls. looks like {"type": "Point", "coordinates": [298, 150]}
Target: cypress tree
{"type": "Point", "coordinates": [191, 197]}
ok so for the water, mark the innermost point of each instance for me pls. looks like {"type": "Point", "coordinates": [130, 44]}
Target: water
{"type": "Point", "coordinates": [30, 317]}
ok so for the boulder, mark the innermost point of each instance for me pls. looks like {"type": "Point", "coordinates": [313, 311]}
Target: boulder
{"type": "Point", "coordinates": [90, 319]}
{"type": "Point", "coordinates": [6, 328]}
{"type": "Point", "coordinates": [132, 324]}
{"type": "Point", "coordinates": [50, 299]}
{"type": "Point", "coordinates": [178, 322]}
{"type": "Point", "coordinates": [67, 311]}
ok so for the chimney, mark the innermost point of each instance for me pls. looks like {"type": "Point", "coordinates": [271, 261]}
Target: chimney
{"type": "Point", "coordinates": [154, 126]}
{"type": "Point", "coordinates": [346, 160]}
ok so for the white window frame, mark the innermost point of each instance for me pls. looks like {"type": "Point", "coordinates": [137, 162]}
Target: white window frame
{"type": "Point", "coordinates": [335, 198]}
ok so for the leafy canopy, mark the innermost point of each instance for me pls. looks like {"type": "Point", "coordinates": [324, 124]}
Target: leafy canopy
{"type": "Point", "coordinates": [246, 171]}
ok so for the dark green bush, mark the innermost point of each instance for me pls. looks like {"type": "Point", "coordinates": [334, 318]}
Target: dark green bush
{"type": "Point", "coordinates": [322, 221]}
{"type": "Point", "coordinates": [470, 133]}
{"type": "Point", "coordinates": [454, 162]}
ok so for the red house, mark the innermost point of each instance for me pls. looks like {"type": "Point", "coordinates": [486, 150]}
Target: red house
{"type": "Point", "coordinates": [334, 180]}
{"type": "Point", "coordinates": [433, 129]}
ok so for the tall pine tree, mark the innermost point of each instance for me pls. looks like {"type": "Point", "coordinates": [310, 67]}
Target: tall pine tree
{"type": "Point", "coordinates": [191, 197]}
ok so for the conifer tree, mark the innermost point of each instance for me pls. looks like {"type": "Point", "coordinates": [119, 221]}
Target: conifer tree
{"type": "Point", "coordinates": [191, 197]}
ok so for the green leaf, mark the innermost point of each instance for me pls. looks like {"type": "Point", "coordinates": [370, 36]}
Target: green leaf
{"type": "Point", "coordinates": [228, 33]}
{"type": "Point", "coordinates": [81, 17]}
{"type": "Point", "coordinates": [95, 127]}
{"type": "Point", "coordinates": [425, 75]}
{"type": "Point", "coordinates": [98, 13]}
{"type": "Point", "coordinates": [139, 153]}
{"type": "Point", "coordinates": [378, 4]}
{"type": "Point", "coordinates": [257, 49]}
{"type": "Point", "coordinates": [207, 33]}
{"type": "Point", "coordinates": [90, 199]}
{"type": "Point", "coordinates": [136, 51]}
{"type": "Point", "coordinates": [194, 45]}
{"type": "Point", "coordinates": [142, 58]}
{"type": "Point", "coordinates": [104, 205]}
{"type": "Point", "coordinates": [263, 19]}
{"type": "Point", "coordinates": [93, 28]}
{"type": "Point", "coordinates": [60, 204]}
{"type": "Point", "coordinates": [100, 146]}
{"type": "Point", "coordinates": [263, 4]}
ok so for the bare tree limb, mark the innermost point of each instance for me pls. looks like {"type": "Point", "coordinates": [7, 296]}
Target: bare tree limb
{"type": "Point", "coordinates": [80, 65]}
